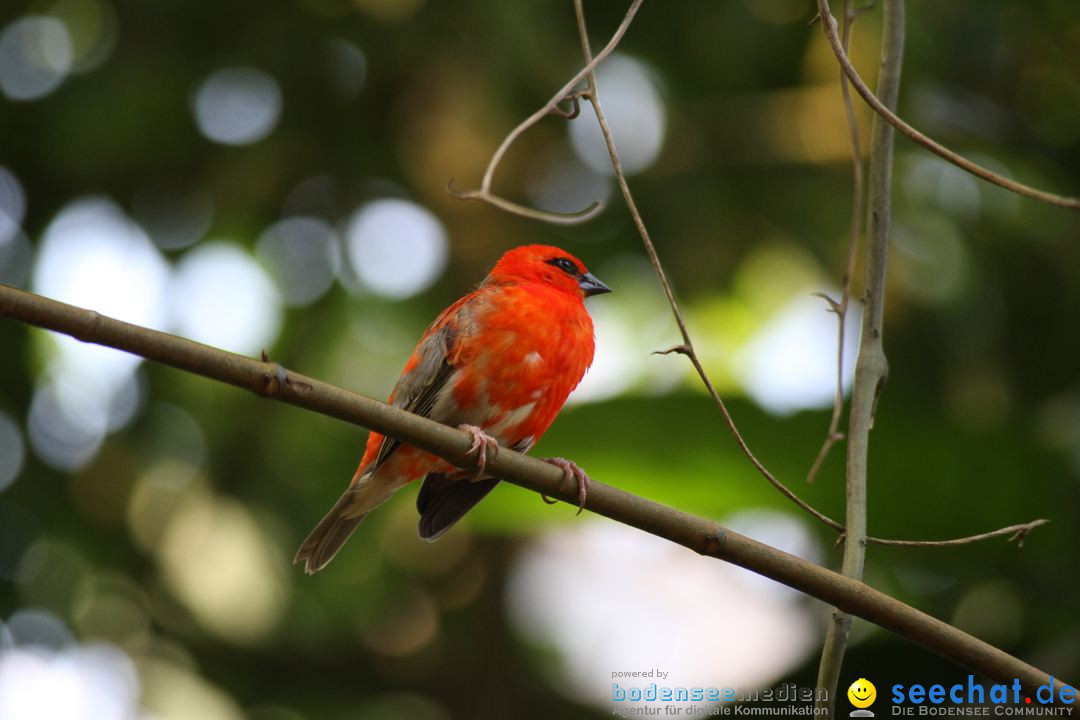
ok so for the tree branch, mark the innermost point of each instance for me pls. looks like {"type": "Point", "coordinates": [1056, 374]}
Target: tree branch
{"type": "Point", "coordinates": [871, 367]}
{"type": "Point", "coordinates": [698, 534]}
{"type": "Point", "coordinates": [886, 111]}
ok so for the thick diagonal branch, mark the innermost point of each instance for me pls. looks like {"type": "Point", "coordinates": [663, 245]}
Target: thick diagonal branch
{"type": "Point", "coordinates": [698, 534]}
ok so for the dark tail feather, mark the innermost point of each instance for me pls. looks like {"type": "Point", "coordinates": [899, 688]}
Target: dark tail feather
{"type": "Point", "coordinates": [329, 535]}
{"type": "Point", "coordinates": [442, 502]}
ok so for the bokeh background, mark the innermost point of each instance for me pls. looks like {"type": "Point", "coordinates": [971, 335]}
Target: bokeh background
{"type": "Point", "coordinates": [272, 175]}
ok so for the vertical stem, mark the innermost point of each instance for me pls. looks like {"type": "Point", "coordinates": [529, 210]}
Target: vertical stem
{"type": "Point", "coordinates": [841, 308]}
{"type": "Point", "coordinates": [871, 368]}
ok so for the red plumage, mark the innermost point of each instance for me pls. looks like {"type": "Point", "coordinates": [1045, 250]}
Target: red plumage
{"type": "Point", "coordinates": [502, 359]}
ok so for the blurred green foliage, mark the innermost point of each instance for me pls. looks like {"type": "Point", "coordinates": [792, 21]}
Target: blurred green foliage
{"type": "Point", "coordinates": [979, 426]}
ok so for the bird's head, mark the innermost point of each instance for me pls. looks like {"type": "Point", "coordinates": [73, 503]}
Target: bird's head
{"type": "Point", "coordinates": [549, 266]}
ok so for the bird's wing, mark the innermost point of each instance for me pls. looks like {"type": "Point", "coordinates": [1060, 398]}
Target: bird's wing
{"type": "Point", "coordinates": [428, 371]}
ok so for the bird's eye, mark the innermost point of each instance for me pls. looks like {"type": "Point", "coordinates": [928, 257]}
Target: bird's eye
{"type": "Point", "coordinates": [567, 265]}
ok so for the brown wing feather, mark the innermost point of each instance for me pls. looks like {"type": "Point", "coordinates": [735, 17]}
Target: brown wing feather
{"type": "Point", "coordinates": [419, 389]}
{"type": "Point", "coordinates": [416, 391]}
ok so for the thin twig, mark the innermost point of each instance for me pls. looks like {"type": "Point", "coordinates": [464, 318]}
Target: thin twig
{"type": "Point", "coordinates": [565, 93]}
{"type": "Point", "coordinates": [550, 216]}
{"type": "Point", "coordinates": [871, 366]}
{"type": "Point", "coordinates": [703, 536]}
{"type": "Point", "coordinates": [828, 26]}
{"type": "Point", "coordinates": [833, 435]}
{"type": "Point", "coordinates": [575, 108]}
{"type": "Point", "coordinates": [1016, 533]}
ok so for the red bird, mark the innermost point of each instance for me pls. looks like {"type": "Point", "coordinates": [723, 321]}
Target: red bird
{"type": "Point", "coordinates": [498, 363]}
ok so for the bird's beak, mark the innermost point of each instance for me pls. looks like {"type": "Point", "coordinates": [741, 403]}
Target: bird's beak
{"type": "Point", "coordinates": [591, 285]}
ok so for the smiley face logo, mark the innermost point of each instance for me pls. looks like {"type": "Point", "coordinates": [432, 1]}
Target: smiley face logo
{"type": "Point", "coordinates": [862, 694]}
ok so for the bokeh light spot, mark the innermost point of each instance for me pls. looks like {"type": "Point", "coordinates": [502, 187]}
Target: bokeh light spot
{"type": "Point", "coordinates": [16, 257]}
{"type": "Point", "coordinates": [765, 634]}
{"type": "Point", "coordinates": [93, 256]}
{"type": "Point", "coordinates": [409, 623]}
{"type": "Point", "coordinates": [12, 205]}
{"type": "Point", "coordinates": [156, 498]}
{"type": "Point", "coordinates": [315, 196]}
{"type": "Point", "coordinates": [221, 297]}
{"type": "Point", "coordinates": [396, 247]}
{"type": "Point", "coordinates": [35, 57]}
{"type": "Point", "coordinates": [64, 435]}
{"type": "Point", "coordinates": [933, 264]}
{"type": "Point", "coordinates": [220, 564]}
{"type": "Point", "coordinates": [347, 68]}
{"type": "Point", "coordinates": [237, 106]}
{"type": "Point", "coordinates": [114, 608]}
{"type": "Point", "coordinates": [34, 627]}
{"type": "Point", "coordinates": [301, 253]}
{"type": "Point", "coordinates": [92, 25]}
{"type": "Point", "coordinates": [171, 690]}
{"type": "Point", "coordinates": [172, 433]}
{"type": "Point", "coordinates": [15, 252]}
{"type": "Point", "coordinates": [94, 682]}
{"type": "Point", "coordinates": [49, 575]}
{"type": "Point", "coordinates": [790, 363]}
{"type": "Point", "coordinates": [634, 108]}
{"type": "Point", "coordinates": [933, 182]}
{"type": "Point", "coordinates": [175, 216]}
{"type": "Point", "coordinates": [565, 184]}
{"type": "Point", "coordinates": [12, 450]}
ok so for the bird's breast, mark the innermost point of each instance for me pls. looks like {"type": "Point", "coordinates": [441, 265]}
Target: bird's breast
{"type": "Point", "coordinates": [525, 357]}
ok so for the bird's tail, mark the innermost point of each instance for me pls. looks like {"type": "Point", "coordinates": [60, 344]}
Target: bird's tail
{"type": "Point", "coordinates": [361, 497]}
{"type": "Point", "coordinates": [329, 535]}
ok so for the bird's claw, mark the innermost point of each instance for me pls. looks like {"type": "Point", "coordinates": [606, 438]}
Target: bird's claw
{"type": "Point", "coordinates": [573, 473]}
{"type": "Point", "coordinates": [482, 445]}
